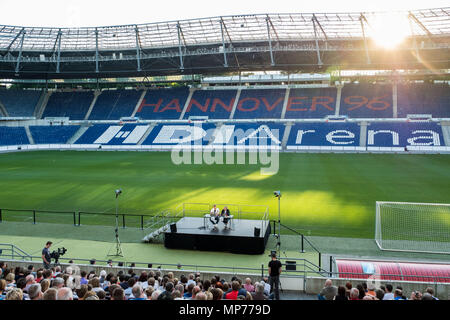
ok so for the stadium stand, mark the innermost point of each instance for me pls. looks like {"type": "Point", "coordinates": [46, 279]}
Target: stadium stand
{"type": "Point", "coordinates": [13, 136]}
{"type": "Point", "coordinates": [367, 101]}
{"type": "Point", "coordinates": [423, 98]}
{"type": "Point", "coordinates": [176, 133]}
{"type": "Point", "coordinates": [404, 134]}
{"type": "Point", "coordinates": [20, 103]}
{"type": "Point", "coordinates": [114, 104]}
{"type": "Point", "coordinates": [92, 134]}
{"type": "Point", "coordinates": [314, 103]}
{"type": "Point", "coordinates": [215, 104]}
{"type": "Point", "coordinates": [260, 104]}
{"type": "Point", "coordinates": [52, 134]}
{"type": "Point", "coordinates": [324, 134]}
{"type": "Point", "coordinates": [393, 271]}
{"type": "Point", "coordinates": [74, 105]}
{"type": "Point", "coordinates": [163, 104]}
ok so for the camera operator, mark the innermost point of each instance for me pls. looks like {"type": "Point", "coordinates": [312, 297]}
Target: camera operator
{"type": "Point", "coordinates": [46, 257]}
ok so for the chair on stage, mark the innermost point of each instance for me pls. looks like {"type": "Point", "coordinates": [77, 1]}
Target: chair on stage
{"type": "Point", "coordinates": [207, 216]}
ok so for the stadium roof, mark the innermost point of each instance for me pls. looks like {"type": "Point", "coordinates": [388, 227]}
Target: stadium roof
{"type": "Point", "coordinates": [224, 42]}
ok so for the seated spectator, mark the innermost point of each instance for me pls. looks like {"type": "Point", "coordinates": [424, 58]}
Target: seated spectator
{"type": "Point", "coordinates": [341, 294]}
{"type": "Point", "coordinates": [83, 279]}
{"type": "Point", "coordinates": [64, 294]}
{"type": "Point", "coordinates": [354, 294]}
{"type": "Point", "coordinates": [416, 295]}
{"type": "Point", "coordinates": [138, 293]}
{"type": "Point", "coordinates": [149, 292]}
{"type": "Point", "coordinates": [232, 295]}
{"type": "Point", "coordinates": [35, 292]}
{"type": "Point", "coordinates": [388, 295]}
{"type": "Point", "coordinates": [58, 283]}
{"type": "Point", "coordinates": [2, 289]}
{"type": "Point", "coordinates": [259, 292]}
{"type": "Point", "coordinates": [371, 290]}
{"type": "Point", "coordinates": [195, 291]}
{"type": "Point", "coordinates": [431, 292]}
{"type": "Point", "coordinates": [29, 281]}
{"type": "Point", "coordinates": [130, 283]}
{"type": "Point", "coordinates": [217, 293]}
{"type": "Point", "coordinates": [101, 295]}
{"type": "Point", "coordinates": [14, 294]}
{"type": "Point", "coordinates": [45, 284]}
{"type": "Point", "coordinates": [379, 293]}
{"type": "Point", "coordinates": [398, 294]}
{"type": "Point", "coordinates": [427, 296]}
{"type": "Point", "coordinates": [155, 295]}
{"type": "Point", "coordinates": [50, 294]}
{"type": "Point", "coordinates": [329, 291]}
{"type": "Point", "coordinates": [188, 293]}
{"type": "Point", "coordinates": [248, 285]}
{"type": "Point", "coordinates": [369, 297]}
{"type": "Point", "coordinates": [348, 287]}
{"type": "Point", "coordinates": [362, 292]}
{"type": "Point", "coordinates": [200, 296]}
{"type": "Point", "coordinates": [10, 280]}
{"type": "Point", "coordinates": [118, 294]}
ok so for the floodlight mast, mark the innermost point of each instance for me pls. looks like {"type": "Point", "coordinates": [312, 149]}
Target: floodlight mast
{"type": "Point", "coordinates": [116, 230]}
{"type": "Point", "coordinates": [278, 195]}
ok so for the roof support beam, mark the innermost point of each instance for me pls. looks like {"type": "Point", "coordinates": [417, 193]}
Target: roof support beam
{"type": "Point", "coordinates": [58, 59]}
{"type": "Point", "coordinates": [179, 46]}
{"type": "Point", "coordinates": [19, 57]}
{"type": "Point", "coordinates": [14, 40]}
{"type": "Point", "coordinates": [96, 50]}
{"type": "Point", "coordinates": [225, 62]}
{"type": "Point", "coordinates": [362, 18]}
{"type": "Point", "coordinates": [272, 62]}
{"type": "Point", "coordinates": [231, 41]}
{"type": "Point", "coordinates": [316, 21]}
{"type": "Point", "coordinates": [421, 25]}
{"type": "Point", "coordinates": [138, 49]}
{"type": "Point", "coordinates": [316, 38]}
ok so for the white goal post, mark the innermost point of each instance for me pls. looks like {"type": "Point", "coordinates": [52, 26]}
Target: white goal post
{"type": "Point", "coordinates": [413, 227]}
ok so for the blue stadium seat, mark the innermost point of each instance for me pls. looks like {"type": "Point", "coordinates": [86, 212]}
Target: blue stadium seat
{"type": "Point", "coordinates": [251, 133]}
{"type": "Point", "coordinates": [20, 103]}
{"type": "Point", "coordinates": [10, 136]}
{"type": "Point", "coordinates": [52, 134]}
{"type": "Point", "coordinates": [93, 133]}
{"type": "Point", "coordinates": [216, 104]}
{"type": "Point", "coordinates": [176, 133]}
{"type": "Point", "coordinates": [260, 104]}
{"type": "Point", "coordinates": [314, 103]}
{"type": "Point", "coordinates": [423, 98]}
{"type": "Point", "coordinates": [114, 104]}
{"type": "Point", "coordinates": [366, 101]}
{"type": "Point", "coordinates": [74, 105]}
{"type": "Point", "coordinates": [324, 134]}
{"type": "Point", "coordinates": [404, 134]}
{"type": "Point", "coordinates": [163, 104]}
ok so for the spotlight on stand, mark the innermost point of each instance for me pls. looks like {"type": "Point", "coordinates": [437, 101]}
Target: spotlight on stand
{"type": "Point", "coordinates": [277, 194]}
{"type": "Point", "coordinates": [118, 192]}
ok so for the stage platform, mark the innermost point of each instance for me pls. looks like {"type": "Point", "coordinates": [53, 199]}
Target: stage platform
{"type": "Point", "coordinates": [197, 234]}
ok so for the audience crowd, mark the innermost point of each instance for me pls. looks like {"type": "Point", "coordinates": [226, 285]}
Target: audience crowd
{"type": "Point", "coordinates": [364, 291]}
{"type": "Point", "coordinates": [58, 284]}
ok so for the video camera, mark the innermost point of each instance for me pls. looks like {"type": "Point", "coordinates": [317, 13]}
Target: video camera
{"type": "Point", "coordinates": [56, 254]}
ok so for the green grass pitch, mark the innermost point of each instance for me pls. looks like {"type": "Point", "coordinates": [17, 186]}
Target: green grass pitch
{"type": "Point", "coordinates": [322, 194]}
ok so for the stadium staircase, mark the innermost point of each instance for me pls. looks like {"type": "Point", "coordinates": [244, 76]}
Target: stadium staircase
{"type": "Point", "coordinates": [40, 108]}
{"type": "Point", "coordinates": [160, 223]}
{"type": "Point", "coordinates": [77, 134]}
{"type": "Point", "coordinates": [3, 111]}
{"type": "Point", "coordinates": [29, 135]}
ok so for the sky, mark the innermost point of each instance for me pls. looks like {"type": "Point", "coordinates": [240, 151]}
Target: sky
{"type": "Point", "coordinates": [88, 13]}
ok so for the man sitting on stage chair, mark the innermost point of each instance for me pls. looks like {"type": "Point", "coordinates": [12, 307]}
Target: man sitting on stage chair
{"type": "Point", "coordinates": [214, 216]}
{"type": "Point", "coordinates": [225, 214]}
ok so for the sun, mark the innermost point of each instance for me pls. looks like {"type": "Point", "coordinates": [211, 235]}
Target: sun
{"type": "Point", "coordinates": [389, 30]}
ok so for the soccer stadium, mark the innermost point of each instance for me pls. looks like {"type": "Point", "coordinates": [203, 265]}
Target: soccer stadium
{"type": "Point", "coordinates": [174, 160]}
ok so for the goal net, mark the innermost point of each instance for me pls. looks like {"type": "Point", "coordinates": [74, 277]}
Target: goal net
{"type": "Point", "coordinates": [415, 227]}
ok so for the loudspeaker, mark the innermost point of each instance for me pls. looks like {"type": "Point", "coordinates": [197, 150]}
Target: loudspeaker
{"type": "Point", "coordinates": [291, 265]}
{"type": "Point", "coordinates": [173, 227]}
{"type": "Point", "coordinates": [257, 232]}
